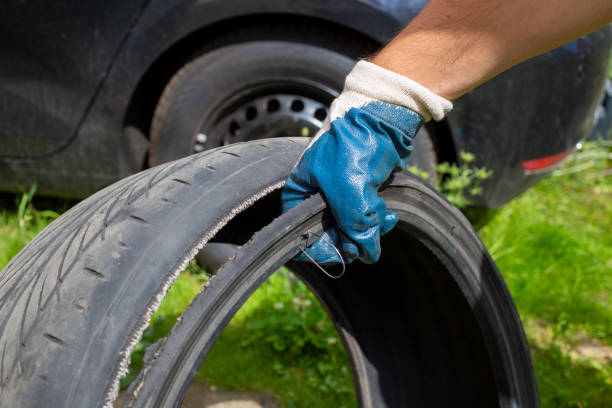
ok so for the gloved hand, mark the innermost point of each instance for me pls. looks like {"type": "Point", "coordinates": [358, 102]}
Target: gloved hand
{"type": "Point", "coordinates": [367, 135]}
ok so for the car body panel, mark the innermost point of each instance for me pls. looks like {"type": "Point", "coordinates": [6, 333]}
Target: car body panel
{"type": "Point", "coordinates": [554, 108]}
{"type": "Point", "coordinates": [105, 147]}
{"type": "Point", "coordinates": [53, 60]}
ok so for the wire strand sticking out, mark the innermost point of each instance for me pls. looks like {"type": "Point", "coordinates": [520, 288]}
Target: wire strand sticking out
{"type": "Point", "coordinates": [317, 264]}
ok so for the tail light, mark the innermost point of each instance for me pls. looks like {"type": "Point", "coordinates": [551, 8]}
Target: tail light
{"type": "Point", "coordinates": [543, 164]}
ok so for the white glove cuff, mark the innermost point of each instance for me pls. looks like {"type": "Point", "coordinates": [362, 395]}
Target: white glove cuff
{"type": "Point", "coordinates": [368, 82]}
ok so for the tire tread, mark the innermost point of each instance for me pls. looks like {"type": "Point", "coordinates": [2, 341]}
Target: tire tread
{"type": "Point", "coordinates": [44, 280]}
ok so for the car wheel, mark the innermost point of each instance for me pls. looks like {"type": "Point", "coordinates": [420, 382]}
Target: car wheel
{"type": "Point", "coordinates": [254, 90]}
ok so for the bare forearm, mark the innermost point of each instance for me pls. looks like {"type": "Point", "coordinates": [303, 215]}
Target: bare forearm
{"type": "Point", "coordinates": [454, 45]}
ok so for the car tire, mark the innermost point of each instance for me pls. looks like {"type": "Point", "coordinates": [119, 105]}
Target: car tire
{"type": "Point", "coordinates": [431, 322]}
{"type": "Point", "coordinates": [200, 95]}
{"type": "Point", "coordinates": [252, 90]}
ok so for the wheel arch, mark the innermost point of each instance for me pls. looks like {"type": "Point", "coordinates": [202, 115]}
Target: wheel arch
{"type": "Point", "coordinates": [288, 27]}
{"type": "Point", "coordinates": [358, 39]}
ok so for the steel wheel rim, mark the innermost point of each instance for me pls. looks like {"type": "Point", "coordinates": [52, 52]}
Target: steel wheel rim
{"type": "Point", "coordinates": [276, 108]}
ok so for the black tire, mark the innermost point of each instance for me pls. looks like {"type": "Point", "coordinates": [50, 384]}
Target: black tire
{"type": "Point", "coordinates": [214, 95]}
{"type": "Point", "coordinates": [202, 92]}
{"type": "Point", "coordinates": [74, 302]}
{"type": "Point", "coordinates": [431, 324]}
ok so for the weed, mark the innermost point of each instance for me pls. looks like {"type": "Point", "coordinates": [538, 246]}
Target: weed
{"type": "Point", "coordinates": [457, 182]}
{"type": "Point", "coordinates": [417, 171]}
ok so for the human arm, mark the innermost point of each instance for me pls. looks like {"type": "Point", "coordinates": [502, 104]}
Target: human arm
{"type": "Point", "coordinates": [448, 49]}
{"type": "Point", "coordinates": [452, 46]}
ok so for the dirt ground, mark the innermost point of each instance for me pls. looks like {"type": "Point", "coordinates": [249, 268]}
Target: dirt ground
{"type": "Point", "coordinates": [200, 396]}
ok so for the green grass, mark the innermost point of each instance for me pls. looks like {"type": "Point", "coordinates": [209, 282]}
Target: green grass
{"type": "Point", "coordinates": [20, 221]}
{"type": "Point", "coordinates": [553, 245]}
{"type": "Point", "coordinates": [282, 342]}
{"type": "Point", "coordinates": [569, 383]}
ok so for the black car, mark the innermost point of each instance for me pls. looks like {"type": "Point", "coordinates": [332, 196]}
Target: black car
{"type": "Point", "coordinates": [92, 91]}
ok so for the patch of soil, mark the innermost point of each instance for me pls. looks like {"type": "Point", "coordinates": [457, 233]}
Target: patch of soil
{"type": "Point", "coordinates": [201, 396]}
{"type": "Point", "coordinates": [582, 346]}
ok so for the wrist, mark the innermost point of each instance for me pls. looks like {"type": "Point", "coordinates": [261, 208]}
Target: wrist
{"type": "Point", "coordinates": [368, 82]}
{"type": "Point", "coordinates": [392, 98]}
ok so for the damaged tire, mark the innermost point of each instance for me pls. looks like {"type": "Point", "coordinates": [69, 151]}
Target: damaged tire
{"type": "Point", "coordinates": [431, 323]}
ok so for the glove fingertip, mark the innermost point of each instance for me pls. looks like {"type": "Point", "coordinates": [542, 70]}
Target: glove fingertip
{"type": "Point", "coordinates": [350, 252]}
{"type": "Point", "coordinates": [389, 222]}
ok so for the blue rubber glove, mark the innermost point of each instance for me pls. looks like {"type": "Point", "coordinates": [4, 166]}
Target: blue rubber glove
{"type": "Point", "coordinates": [368, 135]}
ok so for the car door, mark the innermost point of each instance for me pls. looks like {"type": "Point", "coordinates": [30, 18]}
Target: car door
{"type": "Point", "coordinates": [54, 56]}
